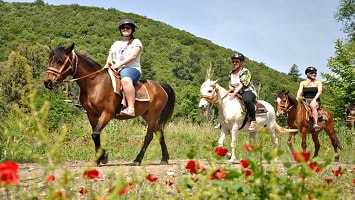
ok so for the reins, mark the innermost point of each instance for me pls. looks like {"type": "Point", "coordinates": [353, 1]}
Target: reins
{"type": "Point", "coordinates": [59, 72]}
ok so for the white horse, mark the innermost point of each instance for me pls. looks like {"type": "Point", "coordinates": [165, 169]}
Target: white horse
{"type": "Point", "coordinates": [231, 117]}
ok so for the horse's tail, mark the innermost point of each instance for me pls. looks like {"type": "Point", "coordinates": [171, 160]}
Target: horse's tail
{"type": "Point", "coordinates": [280, 129]}
{"type": "Point", "coordinates": [169, 107]}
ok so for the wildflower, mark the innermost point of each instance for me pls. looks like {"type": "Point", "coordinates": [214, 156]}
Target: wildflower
{"type": "Point", "coordinates": [314, 167]}
{"type": "Point", "coordinates": [124, 190]}
{"type": "Point", "coordinates": [50, 178]}
{"type": "Point", "coordinates": [218, 174]}
{"type": "Point", "coordinates": [301, 156]}
{"type": "Point", "coordinates": [247, 147]}
{"type": "Point", "coordinates": [83, 190]}
{"type": "Point", "coordinates": [8, 173]}
{"type": "Point", "coordinates": [221, 151]}
{"type": "Point", "coordinates": [248, 172]}
{"type": "Point", "coordinates": [337, 172]}
{"type": "Point", "coordinates": [169, 183]}
{"type": "Point", "coordinates": [244, 163]}
{"type": "Point", "coordinates": [91, 174]}
{"type": "Point", "coordinates": [328, 180]}
{"type": "Point", "coordinates": [354, 181]}
{"type": "Point", "coordinates": [151, 178]}
{"type": "Point", "coordinates": [194, 167]}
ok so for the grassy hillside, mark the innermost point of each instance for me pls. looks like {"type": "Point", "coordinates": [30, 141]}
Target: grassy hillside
{"type": "Point", "coordinates": [170, 55]}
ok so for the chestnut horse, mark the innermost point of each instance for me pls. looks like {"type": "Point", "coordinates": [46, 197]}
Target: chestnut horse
{"type": "Point", "coordinates": [101, 103]}
{"type": "Point", "coordinates": [299, 118]}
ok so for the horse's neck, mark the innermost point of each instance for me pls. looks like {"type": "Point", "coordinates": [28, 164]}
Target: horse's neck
{"type": "Point", "coordinates": [225, 102]}
{"type": "Point", "coordinates": [87, 69]}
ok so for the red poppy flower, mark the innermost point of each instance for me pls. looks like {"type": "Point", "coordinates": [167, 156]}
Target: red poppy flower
{"type": "Point", "coordinates": [314, 167]}
{"type": "Point", "coordinates": [91, 174]}
{"type": "Point", "coordinates": [218, 174]}
{"type": "Point", "coordinates": [354, 181]}
{"type": "Point", "coordinates": [151, 178]}
{"type": "Point", "coordinates": [192, 166]}
{"type": "Point", "coordinates": [169, 183]}
{"type": "Point", "coordinates": [301, 156]}
{"type": "Point", "coordinates": [124, 190]}
{"type": "Point", "coordinates": [221, 151]}
{"type": "Point", "coordinates": [8, 173]}
{"type": "Point", "coordinates": [337, 172]}
{"type": "Point", "coordinates": [247, 147]}
{"type": "Point", "coordinates": [244, 163]}
{"type": "Point", "coordinates": [83, 190]}
{"type": "Point", "coordinates": [248, 172]}
{"type": "Point", "coordinates": [50, 178]}
{"type": "Point", "coordinates": [328, 180]}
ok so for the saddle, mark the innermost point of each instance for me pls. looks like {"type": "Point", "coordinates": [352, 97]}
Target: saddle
{"type": "Point", "coordinates": [321, 115]}
{"type": "Point", "coordinates": [141, 91]}
{"type": "Point", "coordinates": [259, 107]}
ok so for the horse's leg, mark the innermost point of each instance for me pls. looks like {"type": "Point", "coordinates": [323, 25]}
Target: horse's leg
{"type": "Point", "coordinates": [164, 149]}
{"type": "Point", "coordinates": [291, 139]}
{"type": "Point", "coordinates": [233, 143]}
{"type": "Point", "coordinates": [97, 126]}
{"type": "Point", "coordinates": [304, 140]}
{"type": "Point", "coordinates": [334, 139]}
{"type": "Point", "coordinates": [221, 139]}
{"type": "Point", "coordinates": [316, 144]}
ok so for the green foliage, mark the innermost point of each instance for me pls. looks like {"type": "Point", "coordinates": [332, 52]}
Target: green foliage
{"type": "Point", "coordinates": [170, 55]}
{"type": "Point", "coordinates": [342, 84]}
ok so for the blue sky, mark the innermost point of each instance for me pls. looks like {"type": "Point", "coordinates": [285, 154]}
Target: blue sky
{"type": "Point", "coordinates": [279, 33]}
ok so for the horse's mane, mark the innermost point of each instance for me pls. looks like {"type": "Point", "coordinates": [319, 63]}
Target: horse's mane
{"type": "Point", "coordinates": [293, 100]}
{"type": "Point", "coordinates": [89, 60]}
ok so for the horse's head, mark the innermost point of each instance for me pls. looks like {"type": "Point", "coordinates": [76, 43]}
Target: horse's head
{"type": "Point", "coordinates": [282, 103]}
{"type": "Point", "coordinates": [61, 64]}
{"type": "Point", "coordinates": [208, 93]}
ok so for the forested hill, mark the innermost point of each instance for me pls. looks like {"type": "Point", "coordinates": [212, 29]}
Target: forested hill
{"type": "Point", "coordinates": [170, 55]}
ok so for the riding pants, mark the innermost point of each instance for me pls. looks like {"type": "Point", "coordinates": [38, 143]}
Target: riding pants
{"type": "Point", "coordinates": [249, 99]}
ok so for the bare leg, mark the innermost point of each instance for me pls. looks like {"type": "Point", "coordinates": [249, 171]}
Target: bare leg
{"type": "Point", "coordinates": [129, 92]}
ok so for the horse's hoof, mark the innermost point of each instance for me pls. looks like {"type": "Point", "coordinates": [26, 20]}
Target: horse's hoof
{"type": "Point", "coordinates": [164, 162]}
{"type": "Point", "coordinates": [136, 163]}
{"type": "Point", "coordinates": [336, 160]}
{"type": "Point", "coordinates": [104, 161]}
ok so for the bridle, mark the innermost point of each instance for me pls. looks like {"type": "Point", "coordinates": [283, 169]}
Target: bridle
{"type": "Point", "coordinates": [213, 98]}
{"type": "Point", "coordinates": [73, 65]}
{"type": "Point", "coordinates": [287, 107]}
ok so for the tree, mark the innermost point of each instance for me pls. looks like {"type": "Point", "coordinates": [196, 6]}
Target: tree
{"type": "Point", "coordinates": [342, 64]}
{"type": "Point", "coordinates": [346, 15]}
{"type": "Point", "coordinates": [294, 72]}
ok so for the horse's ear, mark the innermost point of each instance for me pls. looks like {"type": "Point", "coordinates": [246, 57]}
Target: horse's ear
{"type": "Point", "coordinates": [215, 82]}
{"type": "Point", "coordinates": [274, 94]}
{"type": "Point", "coordinates": [69, 49]}
{"type": "Point", "coordinates": [287, 92]}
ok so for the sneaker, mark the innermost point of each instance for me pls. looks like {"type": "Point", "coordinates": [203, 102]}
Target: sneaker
{"type": "Point", "coordinates": [316, 127]}
{"type": "Point", "coordinates": [218, 126]}
{"type": "Point", "coordinates": [252, 126]}
{"type": "Point", "coordinates": [128, 111]}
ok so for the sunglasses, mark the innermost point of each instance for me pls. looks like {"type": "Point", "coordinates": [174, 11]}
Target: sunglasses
{"type": "Point", "coordinates": [126, 27]}
{"type": "Point", "coordinates": [313, 73]}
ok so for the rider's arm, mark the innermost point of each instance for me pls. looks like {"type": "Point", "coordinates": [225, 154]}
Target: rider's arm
{"type": "Point", "coordinates": [320, 89]}
{"type": "Point", "coordinates": [299, 92]}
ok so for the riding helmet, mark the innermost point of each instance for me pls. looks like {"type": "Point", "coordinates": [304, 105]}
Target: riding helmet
{"type": "Point", "coordinates": [238, 55]}
{"type": "Point", "coordinates": [129, 22]}
{"type": "Point", "coordinates": [310, 69]}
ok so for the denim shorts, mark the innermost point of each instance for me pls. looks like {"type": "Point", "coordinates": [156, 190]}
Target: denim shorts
{"type": "Point", "coordinates": [130, 72]}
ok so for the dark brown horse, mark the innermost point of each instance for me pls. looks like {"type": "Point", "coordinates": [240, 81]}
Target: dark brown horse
{"type": "Point", "coordinates": [101, 103]}
{"type": "Point", "coordinates": [299, 118]}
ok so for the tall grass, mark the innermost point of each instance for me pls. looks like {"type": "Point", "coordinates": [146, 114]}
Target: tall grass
{"type": "Point", "coordinates": [26, 138]}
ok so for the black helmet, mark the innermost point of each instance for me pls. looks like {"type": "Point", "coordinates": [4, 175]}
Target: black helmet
{"type": "Point", "coordinates": [238, 55]}
{"type": "Point", "coordinates": [127, 21]}
{"type": "Point", "coordinates": [310, 69]}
